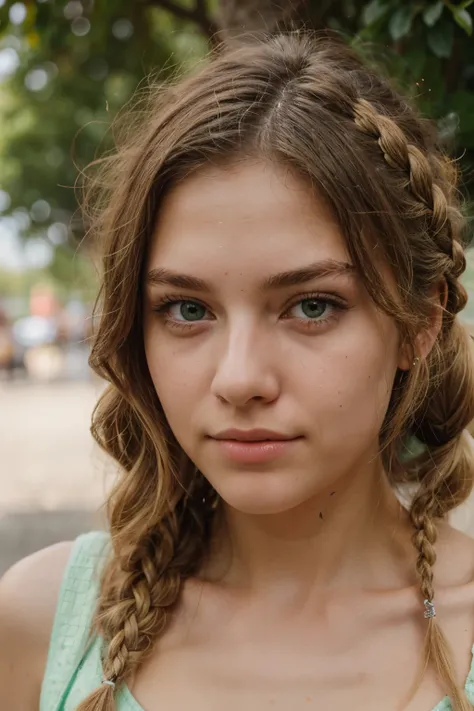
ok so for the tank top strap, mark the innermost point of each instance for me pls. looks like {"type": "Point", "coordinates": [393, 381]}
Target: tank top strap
{"type": "Point", "coordinates": [76, 606]}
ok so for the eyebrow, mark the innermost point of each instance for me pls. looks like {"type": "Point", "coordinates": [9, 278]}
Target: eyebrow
{"type": "Point", "coordinates": [294, 277]}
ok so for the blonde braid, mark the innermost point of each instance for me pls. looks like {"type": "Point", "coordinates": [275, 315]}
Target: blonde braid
{"type": "Point", "coordinates": [411, 160]}
{"type": "Point", "coordinates": [434, 498]}
{"type": "Point", "coordinates": [457, 294]}
{"type": "Point", "coordinates": [139, 614]}
{"type": "Point", "coordinates": [141, 585]}
{"type": "Point", "coordinates": [133, 612]}
{"type": "Point", "coordinates": [439, 488]}
{"type": "Point", "coordinates": [444, 219]}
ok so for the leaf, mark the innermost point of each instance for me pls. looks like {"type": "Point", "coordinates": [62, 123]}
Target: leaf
{"type": "Point", "coordinates": [440, 39]}
{"type": "Point", "coordinates": [374, 11]}
{"type": "Point", "coordinates": [432, 13]}
{"type": "Point", "coordinates": [400, 23]}
{"type": "Point", "coordinates": [464, 20]}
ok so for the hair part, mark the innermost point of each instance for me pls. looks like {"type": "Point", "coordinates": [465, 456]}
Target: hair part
{"type": "Point", "coordinates": [310, 103]}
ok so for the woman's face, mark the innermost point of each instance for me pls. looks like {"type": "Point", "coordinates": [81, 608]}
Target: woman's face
{"type": "Point", "coordinates": [264, 325]}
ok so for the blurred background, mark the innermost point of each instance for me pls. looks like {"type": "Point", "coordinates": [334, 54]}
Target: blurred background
{"type": "Point", "coordinates": [66, 69]}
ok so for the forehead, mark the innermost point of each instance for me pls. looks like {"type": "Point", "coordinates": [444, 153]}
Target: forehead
{"type": "Point", "coordinates": [252, 216]}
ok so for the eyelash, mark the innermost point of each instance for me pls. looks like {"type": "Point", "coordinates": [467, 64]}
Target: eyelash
{"type": "Point", "coordinates": [338, 305]}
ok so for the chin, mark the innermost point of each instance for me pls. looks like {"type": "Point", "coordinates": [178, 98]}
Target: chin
{"type": "Point", "coordinates": [260, 508]}
{"type": "Point", "coordinates": [262, 500]}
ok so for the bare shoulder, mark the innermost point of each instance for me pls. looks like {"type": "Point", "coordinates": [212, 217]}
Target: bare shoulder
{"type": "Point", "coordinates": [29, 594]}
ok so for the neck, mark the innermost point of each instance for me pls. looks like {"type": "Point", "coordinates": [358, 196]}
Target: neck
{"type": "Point", "coordinates": [354, 535]}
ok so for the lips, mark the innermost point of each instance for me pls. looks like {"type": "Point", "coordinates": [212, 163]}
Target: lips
{"type": "Point", "coordinates": [255, 451]}
{"type": "Point", "coordinates": [255, 435]}
{"type": "Point", "coordinates": [252, 447]}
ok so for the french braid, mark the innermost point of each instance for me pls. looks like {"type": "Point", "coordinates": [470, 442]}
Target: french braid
{"type": "Point", "coordinates": [409, 159]}
{"type": "Point", "coordinates": [440, 486]}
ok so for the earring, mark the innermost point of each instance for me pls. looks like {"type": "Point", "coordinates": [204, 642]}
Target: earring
{"type": "Point", "coordinates": [416, 360]}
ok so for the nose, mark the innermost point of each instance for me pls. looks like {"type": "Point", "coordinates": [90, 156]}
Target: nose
{"type": "Point", "coordinates": [246, 368]}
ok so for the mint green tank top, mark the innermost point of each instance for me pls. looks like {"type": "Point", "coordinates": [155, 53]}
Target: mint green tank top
{"type": "Point", "coordinates": [73, 667]}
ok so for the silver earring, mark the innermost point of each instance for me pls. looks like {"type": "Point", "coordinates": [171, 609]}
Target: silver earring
{"type": "Point", "coordinates": [416, 360]}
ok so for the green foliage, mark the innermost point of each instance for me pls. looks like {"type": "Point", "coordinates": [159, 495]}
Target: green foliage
{"type": "Point", "coordinates": [76, 70]}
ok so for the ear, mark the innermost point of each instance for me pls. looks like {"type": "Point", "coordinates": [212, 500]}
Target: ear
{"type": "Point", "coordinates": [426, 338]}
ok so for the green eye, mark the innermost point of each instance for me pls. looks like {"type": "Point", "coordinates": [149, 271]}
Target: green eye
{"type": "Point", "coordinates": [191, 311]}
{"type": "Point", "coordinates": [313, 308]}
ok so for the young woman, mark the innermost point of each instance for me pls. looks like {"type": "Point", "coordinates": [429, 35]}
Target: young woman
{"type": "Point", "coordinates": [278, 326]}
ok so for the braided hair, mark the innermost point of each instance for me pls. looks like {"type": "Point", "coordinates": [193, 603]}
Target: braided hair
{"type": "Point", "coordinates": [308, 102]}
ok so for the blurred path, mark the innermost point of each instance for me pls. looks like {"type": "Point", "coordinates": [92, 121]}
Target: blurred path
{"type": "Point", "coordinates": [48, 458]}
{"type": "Point", "coordinates": [52, 475]}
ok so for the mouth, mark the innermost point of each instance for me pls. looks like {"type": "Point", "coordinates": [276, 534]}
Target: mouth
{"type": "Point", "coordinates": [255, 451]}
{"type": "Point", "coordinates": [255, 435]}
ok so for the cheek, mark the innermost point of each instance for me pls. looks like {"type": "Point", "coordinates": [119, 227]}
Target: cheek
{"type": "Point", "coordinates": [177, 382]}
{"type": "Point", "coordinates": [354, 387]}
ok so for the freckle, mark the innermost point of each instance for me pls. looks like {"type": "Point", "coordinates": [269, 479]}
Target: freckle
{"type": "Point", "coordinates": [308, 699]}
